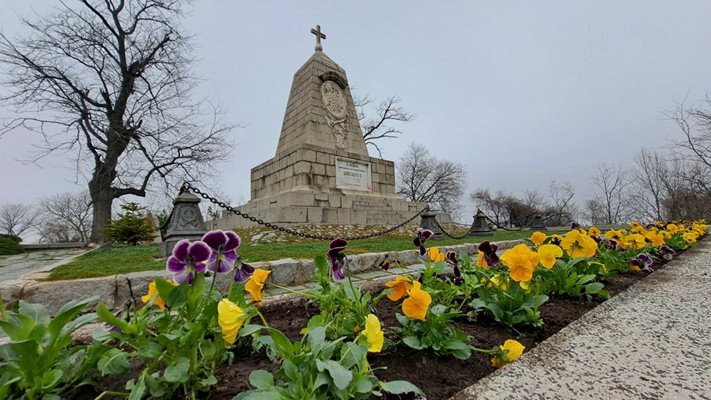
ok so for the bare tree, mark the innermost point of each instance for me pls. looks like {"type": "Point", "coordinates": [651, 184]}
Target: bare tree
{"type": "Point", "coordinates": [560, 207]}
{"type": "Point", "coordinates": [423, 178]}
{"type": "Point", "coordinates": [610, 196]}
{"type": "Point", "coordinates": [649, 178]}
{"type": "Point", "coordinates": [65, 218]}
{"type": "Point", "coordinates": [494, 206]}
{"type": "Point", "coordinates": [110, 80]}
{"type": "Point", "coordinates": [379, 125]}
{"type": "Point", "coordinates": [695, 124]}
{"type": "Point", "coordinates": [16, 219]}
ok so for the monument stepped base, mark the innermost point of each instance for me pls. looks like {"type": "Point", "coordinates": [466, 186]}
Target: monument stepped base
{"type": "Point", "coordinates": [308, 207]}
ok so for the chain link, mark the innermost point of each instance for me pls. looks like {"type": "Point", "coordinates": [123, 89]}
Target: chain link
{"type": "Point", "coordinates": [441, 228]}
{"type": "Point", "coordinates": [292, 231]}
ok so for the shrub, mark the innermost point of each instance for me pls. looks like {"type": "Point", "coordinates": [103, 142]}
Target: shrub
{"type": "Point", "coordinates": [131, 227]}
{"type": "Point", "coordinates": [9, 246]}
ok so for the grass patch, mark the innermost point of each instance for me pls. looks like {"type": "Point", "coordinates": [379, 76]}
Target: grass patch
{"type": "Point", "coordinates": [125, 259]}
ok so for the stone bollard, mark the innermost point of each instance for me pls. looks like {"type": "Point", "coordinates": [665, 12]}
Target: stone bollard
{"type": "Point", "coordinates": [428, 222]}
{"type": "Point", "coordinates": [185, 222]}
{"type": "Point", "coordinates": [537, 223]}
{"type": "Point", "coordinates": [480, 227]}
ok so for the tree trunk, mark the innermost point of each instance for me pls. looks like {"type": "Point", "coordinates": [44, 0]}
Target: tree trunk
{"type": "Point", "coordinates": [102, 199]}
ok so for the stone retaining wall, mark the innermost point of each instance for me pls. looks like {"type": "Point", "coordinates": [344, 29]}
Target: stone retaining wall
{"type": "Point", "coordinates": [115, 291]}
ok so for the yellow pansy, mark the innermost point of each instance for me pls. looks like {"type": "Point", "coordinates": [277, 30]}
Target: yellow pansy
{"type": "Point", "coordinates": [656, 238]}
{"type": "Point", "coordinates": [255, 284]}
{"type": "Point", "coordinates": [636, 227]}
{"type": "Point", "coordinates": [435, 255]}
{"type": "Point", "coordinates": [511, 350]}
{"type": "Point", "coordinates": [538, 238]}
{"type": "Point", "coordinates": [578, 245]}
{"type": "Point", "coordinates": [415, 306]}
{"type": "Point", "coordinates": [498, 281]}
{"type": "Point", "coordinates": [548, 253]}
{"type": "Point", "coordinates": [153, 291]}
{"type": "Point", "coordinates": [614, 235]}
{"type": "Point", "coordinates": [399, 286]}
{"type": "Point", "coordinates": [374, 334]}
{"type": "Point", "coordinates": [230, 317]}
{"type": "Point", "coordinates": [525, 285]}
{"type": "Point", "coordinates": [690, 237]}
{"type": "Point", "coordinates": [673, 228]}
{"type": "Point", "coordinates": [521, 262]}
{"type": "Point", "coordinates": [635, 241]}
{"type": "Point", "coordinates": [594, 231]}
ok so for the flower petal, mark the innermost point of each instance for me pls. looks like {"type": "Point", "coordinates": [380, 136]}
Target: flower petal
{"type": "Point", "coordinates": [180, 250]}
{"type": "Point", "coordinates": [215, 239]}
{"type": "Point", "coordinates": [200, 251]}
{"type": "Point", "coordinates": [233, 240]}
{"type": "Point", "coordinates": [174, 265]}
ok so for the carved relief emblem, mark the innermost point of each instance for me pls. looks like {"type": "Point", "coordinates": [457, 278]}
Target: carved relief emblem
{"type": "Point", "coordinates": [333, 99]}
{"type": "Point", "coordinates": [335, 103]}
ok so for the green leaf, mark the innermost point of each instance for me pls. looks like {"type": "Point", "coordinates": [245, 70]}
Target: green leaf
{"type": "Point", "coordinates": [37, 312]}
{"type": "Point", "coordinates": [51, 378]}
{"type": "Point", "coordinates": [316, 337]}
{"type": "Point", "coordinates": [150, 350]}
{"type": "Point", "coordinates": [249, 329]}
{"type": "Point", "coordinates": [341, 376]}
{"type": "Point", "coordinates": [413, 342]}
{"type": "Point", "coordinates": [106, 316]}
{"type": "Point", "coordinates": [114, 362]}
{"type": "Point", "coordinates": [137, 389]}
{"type": "Point", "coordinates": [536, 301]}
{"type": "Point", "coordinates": [177, 296]}
{"type": "Point", "coordinates": [477, 304]}
{"type": "Point", "coordinates": [282, 343]}
{"type": "Point", "coordinates": [397, 387]}
{"type": "Point", "coordinates": [67, 313]}
{"type": "Point", "coordinates": [323, 378]}
{"type": "Point", "coordinates": [593, 288]}
{"type": "Point", "coordinates": [439, 309]}
{"type": "Point", "coordinates": [585, 279]}
{"type": "Point", "coordinates": [209, 381]}
{"type": "Point", "coordinates": [261, 379]}
{"type": "Point", "coordinates": [18, 327]}
{"type": "Point", "coordinates": [364, 385]}
{"type": "Point", "coordinates": [178, 371]}
{"type": "Point", "coordinates": [259, 395]}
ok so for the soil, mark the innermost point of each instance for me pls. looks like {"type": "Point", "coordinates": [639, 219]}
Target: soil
{"type": "Point", "coordinates": [439, 378]}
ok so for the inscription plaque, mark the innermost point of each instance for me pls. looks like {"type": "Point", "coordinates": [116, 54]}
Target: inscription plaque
{"type": "Point", "coordinates": [353, 175]}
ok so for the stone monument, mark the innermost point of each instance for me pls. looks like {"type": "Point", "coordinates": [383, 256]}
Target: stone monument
{"type": "Point", "coordinates": [321, 172]}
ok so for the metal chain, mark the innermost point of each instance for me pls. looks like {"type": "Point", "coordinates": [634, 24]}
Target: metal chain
{"type": "Point", "coordinates": [441, 228]}
{"type": "Point", "coordinates": [292, 231]}
{"type": "Point", "coordinates": [526, 226]}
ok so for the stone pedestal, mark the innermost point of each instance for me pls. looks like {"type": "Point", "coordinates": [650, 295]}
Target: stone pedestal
{"type": "Point", "coordinates": [480, 227]}
{"type": "Point", "coordinates": [428, 222]}
{"type": "Point", "coordinates": [186, 222]}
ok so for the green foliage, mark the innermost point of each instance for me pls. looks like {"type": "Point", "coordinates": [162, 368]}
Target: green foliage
{"type": "Point", "coordinates": [343, 306]}
{"type": "Point", "coordinates": [435, 333]}
{"type": "Point", "coordinates": [319, 369]}
{"type": "Point", "coordinates": [506, 302]}
{"type": "Point", "coordinates": [131, 227]}
{"type": "Point", "coordinates": [38, 362]}
{"type": "Point", "coordinates": [573, 278]}
{"type": "Point", "coordinates": [180, 347]}
{"type": "Point", "coordinates": [9, 246]}
{"type": "Point", "coordinates": [14, 238]}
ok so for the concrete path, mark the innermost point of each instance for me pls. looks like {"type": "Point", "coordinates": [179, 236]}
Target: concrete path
{"type": "Point", "coordinates": [652, 341]}
{"type": "Point", "coordinates": [15, 266]}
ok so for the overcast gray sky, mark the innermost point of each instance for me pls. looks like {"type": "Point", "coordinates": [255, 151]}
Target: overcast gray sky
{"type": "Point", "coordinates": [519, 92]}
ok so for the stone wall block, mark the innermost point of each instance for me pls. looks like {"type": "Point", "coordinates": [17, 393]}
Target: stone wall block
{"type": "Point", "coordinates": [284, 271]}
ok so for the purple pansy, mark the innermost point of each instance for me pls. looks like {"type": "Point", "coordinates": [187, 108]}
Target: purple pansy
{"type": "Point", "coordinates": [574, 225]}
{"type": "Point", "coordinates": [243, 271]}
{"type": "Point", "coordinates": [224, 246]}
{"type": "Point", "coordinates": [337, 258]}
{"type": "Point", "coordinates": [597, 239]}
{"type": "Point", "coordinates": [451, 258]}
{"type": "Point", "coordinates": [187, 260]}
{"type": "Point", "coordinates": [667, 252]}
{"type": "Point", "coordinates": [112, 328]}
{"type": "Point", "coordinates": [643, 261]}
{"type": "Point", "coordinates": [422, 236]}
{"type": "Point", "coordinates": [489, 250]}
{"type": "Point", "coordinates": [385, 264]}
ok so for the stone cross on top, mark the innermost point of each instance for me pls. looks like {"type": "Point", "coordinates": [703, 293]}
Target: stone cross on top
{"type": "Point", "coordinates": [319, 36]}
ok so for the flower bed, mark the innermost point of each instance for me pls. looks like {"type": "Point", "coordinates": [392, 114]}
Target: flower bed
{"type": "Point", "coordinates": [435, 333]}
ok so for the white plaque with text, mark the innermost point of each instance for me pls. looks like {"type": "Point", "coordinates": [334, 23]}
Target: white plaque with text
{"type": "Point", "coordinates": [353, 175]}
